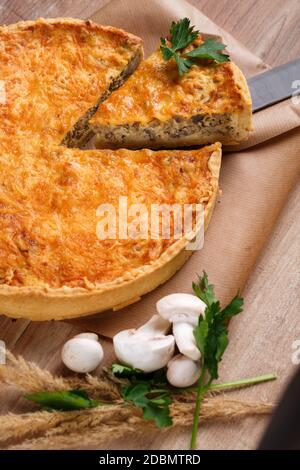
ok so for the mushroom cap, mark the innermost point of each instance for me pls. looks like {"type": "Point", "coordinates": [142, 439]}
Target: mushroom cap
{"type": "Point", "coordinates": [181, 307]}
{"type": "Point", "coordinates": [182, 371]}
{"type": "Point", "coordinates": [92, 336]}
{"type": "Point", "coordinates": [141, 352]}
{"type": "Point", "coordinates": [82, 355]}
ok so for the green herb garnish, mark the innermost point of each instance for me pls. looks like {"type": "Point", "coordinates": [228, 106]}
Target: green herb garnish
{"type": "Point", "coordinates": [155, 404]}
{"type": "Point", "coordinates": [124, 371]}
{"type": "Point", "coordinates": [153, 393]}
{"type": "Point", "coordinates": [63, 400]}
{"type": "Point", "coordinates": [147, 391]}
{"type": "Point", "coordinates": [211, 337]}
{"type": "Point", "coordinates": [137, 376]}
{"type": "Point", "coordinates": [182, 35]}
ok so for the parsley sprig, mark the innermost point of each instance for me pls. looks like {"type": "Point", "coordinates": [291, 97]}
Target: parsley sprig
{"type": "Point", "coordinates": [154, 403]}
{"type": "Point", "coordinates": [153, 394]}
{"type": "Point", "coordinates": [181, 36]}
{"type": "Point", "coordinates": [150, 392]}
{"type": "Point", "coordinates": [211, 337]}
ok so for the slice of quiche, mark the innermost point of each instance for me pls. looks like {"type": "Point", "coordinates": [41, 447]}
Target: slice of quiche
{"type": "Point", "coordinates": [54, 262]}
{"type": "Point", "coordinates": [55, 73]}
{"type": "Point", "coordinates": [158, 108]}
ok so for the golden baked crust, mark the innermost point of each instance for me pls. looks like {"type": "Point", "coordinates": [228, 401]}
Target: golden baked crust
{"type": "Point", "coordinates": [55, 70]}
{"type": "Point", "coordinates": [157, 108]}
{"type": "Point", "coordinates": [53, 265]}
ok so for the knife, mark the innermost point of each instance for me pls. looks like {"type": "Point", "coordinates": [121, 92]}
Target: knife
{"type": "Point", "coordinates": [275, 85]}
{"type": "Point", "coordinates": [283, 431]}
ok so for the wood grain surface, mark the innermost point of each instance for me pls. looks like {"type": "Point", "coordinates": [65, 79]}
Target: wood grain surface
{"type": "Point", "coordinates": [261, 339]}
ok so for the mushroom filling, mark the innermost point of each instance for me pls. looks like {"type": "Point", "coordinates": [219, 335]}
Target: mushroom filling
{"type": "Point", "coordinates": [199, 129]}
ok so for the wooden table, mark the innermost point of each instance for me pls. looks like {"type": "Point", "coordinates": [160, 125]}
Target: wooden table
{"type": "Point", "coordinates": [270, 28]}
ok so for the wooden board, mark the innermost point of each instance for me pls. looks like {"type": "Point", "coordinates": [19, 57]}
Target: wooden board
{"type": "Point", "coordinates": [261, 339]}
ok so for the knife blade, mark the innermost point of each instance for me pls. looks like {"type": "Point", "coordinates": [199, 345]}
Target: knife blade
{"type": "Point", "coordinates": [275, 85]}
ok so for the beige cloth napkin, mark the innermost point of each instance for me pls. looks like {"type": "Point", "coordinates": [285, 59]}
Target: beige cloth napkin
{"type": "Point", "coordinates": [255, 182]}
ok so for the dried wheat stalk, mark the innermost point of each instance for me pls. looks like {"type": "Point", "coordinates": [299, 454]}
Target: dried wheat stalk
{"type": "Point", "coordinates": [60, 430]}
{"type": "Point", "coordinates": [93, 427]}
{"type": "Point", "coordinates": [28, 377]}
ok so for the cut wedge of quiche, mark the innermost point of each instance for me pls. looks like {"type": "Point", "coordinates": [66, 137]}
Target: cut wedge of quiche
{"type": "Point", "coordinates": [158, 108]}
{"type": "Point", "coordinates": [53, 264]}
{"type": "Point", "coordinates": [55, 73]}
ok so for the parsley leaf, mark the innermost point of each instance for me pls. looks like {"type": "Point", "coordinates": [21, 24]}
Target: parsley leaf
{"type": "Point", "coordinates": [143, 385]}
{"type": "Point", "coordinates": [183, 64]}
{"type": "Point", "coordinates": [233, 308]}
{"type": "Point", "coordinates": [181, 36]}
{"type": "Point", "coordinates": [63, 400]}
{"type": "Point", "coordinates": [119, 370]}
{"type": "Point", "coordinates": [200, 336]}
{"type": "Point", "coordinates": [156, 408]}
{"type": "Point", "coordinates": [204, 290]}
{"type": "Point", "coordinates": [211, 336]}
{"type": "Point", "coordinates": [157, 378]}
{"type": "Point", "coordinates": [210, 50]}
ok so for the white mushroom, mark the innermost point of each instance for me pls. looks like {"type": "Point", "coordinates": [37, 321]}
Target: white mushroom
{"type": "Point", "coordinates": [83, 353]}
{"type": "Point", "coordinates": [182, 371]}
{"type": "Point", "coordinates": [183, 310]}
{"type": "Point", "coordinates": [184, 338]}
{"type": "Point", "coordinates": [146, 348]}
{"type": "Point", "coordinates": [92, 336]}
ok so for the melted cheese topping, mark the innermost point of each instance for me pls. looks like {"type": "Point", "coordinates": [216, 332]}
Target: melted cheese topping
{"type": "Point", "coordinates": [155, 92]}
{"type": "Point", "coordinates": [53, 72]}
{"type": "Point", "coordinates": [48, 203]}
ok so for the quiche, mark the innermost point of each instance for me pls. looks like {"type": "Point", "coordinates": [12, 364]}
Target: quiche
{"type": "Point", "coordinates": [156, 108]}
{"type": "Point", "coordinates": [53, 264]}
{"type": "Point", "coordinates": [56, 72]}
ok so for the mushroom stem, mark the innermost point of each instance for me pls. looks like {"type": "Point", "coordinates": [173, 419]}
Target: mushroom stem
{"type": "Point", "coordinates": [155, 326]}
{"type": "Point", "coordinates": [185, 341]}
